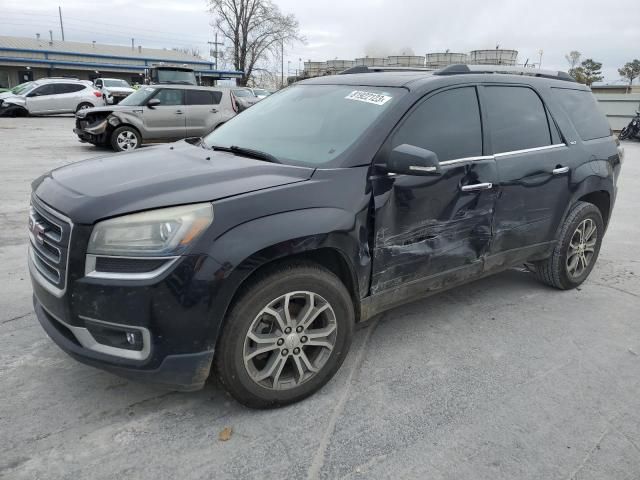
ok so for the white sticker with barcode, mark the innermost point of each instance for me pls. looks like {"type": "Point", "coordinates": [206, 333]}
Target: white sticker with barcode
{"type": "Point", "coordinates": [368, 97]}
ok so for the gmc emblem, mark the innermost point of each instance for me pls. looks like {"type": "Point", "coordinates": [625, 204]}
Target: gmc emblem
{"type": "Point", "coordinates": [37, 230]}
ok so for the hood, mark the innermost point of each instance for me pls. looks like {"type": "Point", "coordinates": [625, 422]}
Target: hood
{"type": "Point", "coordinates": [156, 177]}
{"type": "Point", "coordinates": [118, 90]}
{"type": "Point", "coordinates": [108, 109]}
{"type": "Point", "coordinates": [14, 99]}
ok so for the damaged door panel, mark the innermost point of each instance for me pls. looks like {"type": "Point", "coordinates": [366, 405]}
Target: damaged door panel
{"type": "Point", "coordinates": [426, 226]}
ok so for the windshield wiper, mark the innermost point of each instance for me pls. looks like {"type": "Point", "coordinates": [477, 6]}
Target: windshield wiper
{"type": "Point", "coordinates": [248, 152]}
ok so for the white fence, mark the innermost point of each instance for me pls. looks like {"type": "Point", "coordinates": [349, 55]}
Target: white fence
{"type": "Point", "coordinates": [619, 107]}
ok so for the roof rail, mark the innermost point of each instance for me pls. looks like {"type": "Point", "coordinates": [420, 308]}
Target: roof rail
{"type": "Point", "coordinates": [368, 69]}
{"type": "Point", "coordinates": [461, 69]}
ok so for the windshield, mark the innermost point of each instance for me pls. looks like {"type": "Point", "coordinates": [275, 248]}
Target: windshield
{"type": "Point", "coordinates": [115, 83]}
{"type": "Point", "coordinates": [306, 125]}
{"type": "Point", "coordinates": [243, 93]}
{"type": "Point", "coordinates": [175, 76]}
{"type": "Point", "coordinates": [23, 87]}
{"type": "Point", "coordinates": [139, 97]}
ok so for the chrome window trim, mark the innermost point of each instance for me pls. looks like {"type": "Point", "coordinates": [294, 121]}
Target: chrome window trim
{"type": "Point", "coordinates": [466, 159]}
{"type": "Point", "coordinates": [527, 150]}
{"type": "Point", "coordinates": [91, 272]}
{"type": "Point", "coordinates": [84, 337]}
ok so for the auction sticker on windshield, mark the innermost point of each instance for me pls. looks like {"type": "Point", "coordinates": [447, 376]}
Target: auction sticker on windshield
{"type": "Point", "coordinates": [368, 97]}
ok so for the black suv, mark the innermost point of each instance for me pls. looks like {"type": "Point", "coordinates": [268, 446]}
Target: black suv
{"type": "Point", "coordinates": [255, 250]}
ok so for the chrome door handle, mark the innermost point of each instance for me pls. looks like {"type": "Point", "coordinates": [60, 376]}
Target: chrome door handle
{"type": "Point", "coordinates": [477, 186]}
{"type": "Point", "coordinates": [214, 110]}
{"type": "Point", "coordinates": [560, 170]}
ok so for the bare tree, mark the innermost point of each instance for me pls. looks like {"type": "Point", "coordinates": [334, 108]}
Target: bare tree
{"type": "Point", "coordinates": [193, 51]}
{"type": "Point", "coordinates": [573, 58]}
{"type": "Point", "coordinates": [630, 71]}
{"type": "Point", "coordinates": [255, 28]}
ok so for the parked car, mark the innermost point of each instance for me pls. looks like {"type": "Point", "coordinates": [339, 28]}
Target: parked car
{"type": "Point", "coordinates": [51, 96]}
{"type": "Point", "coordinates": [156, 113]}
{"type": "Point", "coordinates": [113, 89]}
{"type": "Point", "coordinates": [244, 98]}
{"type": "Point", "coordinates": [255, 251]}
{"type": "Point", "coordinates": [260, 92]}
{"type": "Point", "coordinates": [17, 90]}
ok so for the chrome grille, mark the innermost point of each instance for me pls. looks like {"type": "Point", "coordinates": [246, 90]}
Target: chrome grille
{"type": "Point", "coordinates": [49, 235]}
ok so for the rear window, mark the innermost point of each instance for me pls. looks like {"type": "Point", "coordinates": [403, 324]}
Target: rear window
{"type": "Point", "coordinates": [583, 110]}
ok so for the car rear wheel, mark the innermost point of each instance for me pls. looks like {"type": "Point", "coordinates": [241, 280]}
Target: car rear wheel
{"type": "Point", "coordinates": [285, 336]}
{"type": "Point", "coordinates": [124, 139]}
{"type": "Point", "coordinates": [83, 106]}
{"type": "Point", "coordinates": [577, 249]}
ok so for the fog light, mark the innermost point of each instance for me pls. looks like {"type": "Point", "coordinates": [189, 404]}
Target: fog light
{"type": "Point", "coordinates": [132, 338]}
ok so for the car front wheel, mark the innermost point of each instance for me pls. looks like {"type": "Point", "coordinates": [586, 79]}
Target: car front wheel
{"type": "Point", "coordinates": [124, 139]}
{"type": "Point", "coordinates": [286, 335]}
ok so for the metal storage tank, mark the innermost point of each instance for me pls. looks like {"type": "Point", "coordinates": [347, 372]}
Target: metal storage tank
{"type": "Point", "coordinates": [405, 61]}
{"type": "Point", "coordinates": [335, 66]}
{"type": "Point", "coordinates": [493, 57]}
{"type": "Point", "coordinates": [442, 59]}
{"type": "Point", "coordinates": [314, 69]}
{"type": "Point", "coordinates": [371, 61]}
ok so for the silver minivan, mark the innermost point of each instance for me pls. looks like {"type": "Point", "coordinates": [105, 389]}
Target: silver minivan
{"type": "Point", "coordinates": [157, 113]}
{"type": "Point", "coordinates": [50, 96]}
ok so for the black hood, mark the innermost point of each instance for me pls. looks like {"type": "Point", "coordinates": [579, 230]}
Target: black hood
{"type": "Point", "coordinates": [156, 177]}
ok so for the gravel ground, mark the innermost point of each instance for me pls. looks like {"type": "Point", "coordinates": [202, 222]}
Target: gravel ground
{"type": "Point", "coordinates": [500, 379]}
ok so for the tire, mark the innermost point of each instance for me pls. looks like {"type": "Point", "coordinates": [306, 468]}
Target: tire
{"type": "Point", "coordinates": [83, 106]}
{"type": "Point", "coordinates": [125, 139]}
{"type": "Point", "coordinates": [557, 270]}
{"type": "Point", "coordinates": [241, 369]}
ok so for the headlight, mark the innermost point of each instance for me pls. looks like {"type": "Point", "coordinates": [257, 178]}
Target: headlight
{"type": "Point", "coordinates": [166, 231]}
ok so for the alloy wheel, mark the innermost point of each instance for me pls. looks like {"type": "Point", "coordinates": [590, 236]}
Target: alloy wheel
{"type": "Point", "coordinates": [290, 340]}
{"type": "Point", "coordinates": [127, 140]}
{"type": "Point", "coordinates": [582, 248]}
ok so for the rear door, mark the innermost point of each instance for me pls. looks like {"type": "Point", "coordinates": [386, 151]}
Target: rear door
{"type": "Point", "coordinates": [429, 227]}
{"type": "Point", "coordinates": [534, 170]}
{"type": "Point", "coordinates": [166, 121]}
{"type": "Point", "coordinates": [68, 96]}
{"type": "Point", "coordinates": [203, 111]}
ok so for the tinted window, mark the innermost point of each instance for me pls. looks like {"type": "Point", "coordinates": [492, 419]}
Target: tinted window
{"type": "Point", "coordinates": [517, 119]}
{"type": "Point", "coordinates": [584, 112]}
{"type": "Point", "coordinates": [203, 97]}
{"type": "Point", "coordinates": [68, 87]}
{"type": "Point", "coordinates": [169, 96]}
{"type": "Point", "coordinates": [43, 90]}
{"type": "Point", "coordinates": [447, 123]}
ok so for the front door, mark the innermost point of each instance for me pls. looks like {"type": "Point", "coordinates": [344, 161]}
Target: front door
{"type": "Point", "coordinates": [534, 168]}
{"type": "Point", "coordinates": [42, 100]}
{"type": "Point", "coordinates": [166, 121]}
{"type": "Point", "coordinates": [427, 227]}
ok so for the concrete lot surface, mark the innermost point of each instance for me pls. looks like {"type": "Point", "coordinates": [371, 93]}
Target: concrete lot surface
{"type": "Point", "coordinates": [501, 379]}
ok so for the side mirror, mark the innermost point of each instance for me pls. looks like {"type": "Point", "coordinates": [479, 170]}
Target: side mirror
{"type": "Point", "coordinates": [410, 160]}
{"type": "Point", "coordinates": [154, 102]}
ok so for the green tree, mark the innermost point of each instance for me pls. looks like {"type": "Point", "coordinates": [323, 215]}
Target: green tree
{"type": "Point", "coordinates": [589, 72]}
{"type": "Point", "coordinates": [630, 71]}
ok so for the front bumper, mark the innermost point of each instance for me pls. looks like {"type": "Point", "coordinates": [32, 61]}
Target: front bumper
{"type": "Point", "coordinates": [185, 372]}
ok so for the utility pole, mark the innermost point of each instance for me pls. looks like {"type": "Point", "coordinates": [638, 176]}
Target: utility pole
{"type": "Point", "coordinates": [132, 47]}
{"type": "Point", "coordinates": [215, 48]}
{"type": "Point", "coordinates": [282, 53]}
{"type": "Point", "coordinates": [61, 25]}
{"type": "Point", "coordinates": [540, 52]}
{"type": "Point", "coordinates": [51, 36]}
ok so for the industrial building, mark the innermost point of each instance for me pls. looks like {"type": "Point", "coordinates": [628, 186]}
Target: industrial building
{"type": "Point", "coordinates": [431, 61]}
{"type": "Point", "coordinates": [24, 59]}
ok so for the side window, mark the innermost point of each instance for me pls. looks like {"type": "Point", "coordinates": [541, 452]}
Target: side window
{"type": "Point", "coordinates": [68, 87]}
{"type": "Point", "coordinates": [447, 123]}
{"type": "Point", "coordinates": [43, 90]}
{"type": "Point", "coordinates": [583, 110]}
{"type": "Point", "coordinates": [170, 96]}
{"type": "Point", "coordinates": [517, 119]}
{"type": "Point", "coordinates": [202, 97]}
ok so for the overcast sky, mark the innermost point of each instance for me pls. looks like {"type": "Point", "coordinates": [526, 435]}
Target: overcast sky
{"type": "Point", "coordinates": [346, 29]}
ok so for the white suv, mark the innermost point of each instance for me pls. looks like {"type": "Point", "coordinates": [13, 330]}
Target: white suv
{"type": "Point", "coordinates": [51, 96]}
